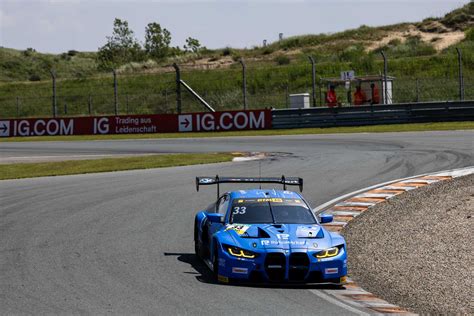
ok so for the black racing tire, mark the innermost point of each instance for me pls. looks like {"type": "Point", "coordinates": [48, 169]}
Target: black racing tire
{"type": "Point", "coordinates": [215, 264]}
{"type": "Point", "coordinates": [197, 247]}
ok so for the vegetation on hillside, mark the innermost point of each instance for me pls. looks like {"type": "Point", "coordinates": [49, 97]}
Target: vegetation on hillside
{"type": "Point", "coordinates": [146, 85]}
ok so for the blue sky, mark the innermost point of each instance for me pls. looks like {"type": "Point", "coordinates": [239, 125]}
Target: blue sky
{"type": "Point", "coordinates": [60, 25]}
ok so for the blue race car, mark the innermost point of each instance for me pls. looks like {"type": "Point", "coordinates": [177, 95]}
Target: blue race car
{"type": "Point", "coordinates": [267, 235]}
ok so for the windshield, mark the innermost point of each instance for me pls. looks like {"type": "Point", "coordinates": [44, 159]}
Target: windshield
{"type": "Point", "coordinates": [271, 211]}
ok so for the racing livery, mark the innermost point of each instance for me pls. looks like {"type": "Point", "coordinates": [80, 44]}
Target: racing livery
{"type": "Point", "coordinates": [267, 235]}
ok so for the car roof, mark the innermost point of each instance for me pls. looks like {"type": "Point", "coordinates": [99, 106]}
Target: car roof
{"type": "Point", "coordinates": [263, 193]}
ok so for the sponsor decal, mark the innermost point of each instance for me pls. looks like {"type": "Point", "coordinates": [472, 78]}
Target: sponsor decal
{"type": "Point", "coordinates": [275, 200]}
{"type": "Point", "coordinates": [282, 242]}
{"type": "Point", "coordinates": [331, 270]}
{"type": "Point", "coordinates": [4, 128]}
{"type": "Point", "coordinates": [238, 228]}
{"type": "Point", "coordinates": [240, 270]}
{"type": "Point", "coordinates": [185, 123]}
{"type": "Point", "coordinates": [283, 236]}
{"type": "Point", "coordinates": [222, 279]}
{"type": "Point", "coordinates": [133, 124]}
{"type": "Point", "coordinates": [307, 231]}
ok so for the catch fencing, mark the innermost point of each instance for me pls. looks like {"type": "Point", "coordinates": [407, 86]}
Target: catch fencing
{"type": "Point", "coordinates": [235, 86]}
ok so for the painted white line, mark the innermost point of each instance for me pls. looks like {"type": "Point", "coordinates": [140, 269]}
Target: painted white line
{"type": "Point", "coordinates": [252, 156]}
{"type": "Point", "coordinates": [355, 204]}
{"type": "Point", "coordinates": [337, 302]}
{"type": "Point", "coordinates": [455, 173]}
{"type": "Point", "coordinates": [337, 224]}
{"type": "Point", "coordinates": [374, 195]}
{"type": "Point", "coordinates": [344, 213]}
{"type": "Point", "coordinates": [240, 159]}
{"type": "Point", "coordinates": [337, 298]}
{"type": "Point", "coordinates": [389, 187]}
{"type": "Point", "coordinates": [419, 181]}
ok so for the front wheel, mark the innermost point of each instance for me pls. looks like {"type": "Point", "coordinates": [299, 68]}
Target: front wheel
{"type": "Point", "coordinates": [197, 247]}
{"type": "Point", "coordinates": [215, 265]}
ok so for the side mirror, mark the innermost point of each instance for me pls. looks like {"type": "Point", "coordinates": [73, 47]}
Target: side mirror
{"type": "Point", "coordinates": [325, 218]}
{"type": "Point", "coordinates": [215, 217]}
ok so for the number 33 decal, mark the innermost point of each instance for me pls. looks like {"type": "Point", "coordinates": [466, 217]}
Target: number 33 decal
{"type": "Point", "coordinates": [239, 210]}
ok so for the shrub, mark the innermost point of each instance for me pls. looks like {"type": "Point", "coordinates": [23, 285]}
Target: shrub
{"type": "Point", "coordinates": [34, 77]}
{"type": "Point", "coordinates": [227, 51]}
{"type": "Point", "coordinates": [65, 56]}
{"type": "Point", "coordinates": [236, 57]}
{"type": "Point", "coordinates": [469, 34]}
{"type": "Point", "coordinates": [282, 60]}
{"type": "Point", "coordinates": [394, 42]}
{"type": "Point", "coordinates": [267, 51]}
{"type": "Point", "coordinates": [72, 52]}
{"type": "Point", "coordinates": [29, 52]}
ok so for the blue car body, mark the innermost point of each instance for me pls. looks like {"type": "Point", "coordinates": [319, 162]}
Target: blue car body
{"type": "Point", "coordinates": [268, 252]}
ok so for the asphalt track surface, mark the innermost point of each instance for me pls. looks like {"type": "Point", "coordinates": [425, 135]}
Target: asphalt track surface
{"type": "Point", "coordinates": [123, 242]}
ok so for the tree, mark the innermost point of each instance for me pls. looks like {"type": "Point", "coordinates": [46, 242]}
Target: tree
{"type": "Point", "coordinates": [157, 41]}
{"type": "Point", "coordinates": [122, 47]}
{"type": "Point", "coordinates": [192, 45]}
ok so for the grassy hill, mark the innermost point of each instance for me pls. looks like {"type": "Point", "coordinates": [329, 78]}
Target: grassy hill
{"type": "Point", "coordinates": [423, 50]}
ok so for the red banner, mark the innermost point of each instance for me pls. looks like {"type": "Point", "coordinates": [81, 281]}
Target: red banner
{"type": "Point", "coordinates": [138, 124]}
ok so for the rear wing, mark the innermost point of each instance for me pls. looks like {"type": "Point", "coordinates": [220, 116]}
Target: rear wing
{"type": "Point", "coordinates": [217, 180]}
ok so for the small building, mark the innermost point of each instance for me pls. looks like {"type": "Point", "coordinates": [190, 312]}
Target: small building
{"type": "Point", "coordinates": [365, 82]}
{"type": "Point", "coordinates": [299, 101]}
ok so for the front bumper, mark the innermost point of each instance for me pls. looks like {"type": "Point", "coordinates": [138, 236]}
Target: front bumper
{"type": "Point", "coordinates": [278, 266]}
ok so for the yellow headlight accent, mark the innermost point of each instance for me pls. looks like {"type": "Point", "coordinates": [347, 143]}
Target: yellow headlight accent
{"type": "Point", "coordinates": [247, 254]}
{"type": "Point", "coordinates": [331, 252]}
{"type": "Point", "coordinates": [240, 253]}
{"type": "Point", "coordinates": [237, 254]}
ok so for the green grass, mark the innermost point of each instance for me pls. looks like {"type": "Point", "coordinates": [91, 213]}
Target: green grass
{"type": "Point", "coordinates": [30, 170]}
{"type": "Point", "coordinates": [444, 126]}
{"type": "Point", "coordinates": [143, 92]}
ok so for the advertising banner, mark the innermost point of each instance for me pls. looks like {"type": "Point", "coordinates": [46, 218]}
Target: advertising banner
{"type": "Point", "coordinates": [137, 124]}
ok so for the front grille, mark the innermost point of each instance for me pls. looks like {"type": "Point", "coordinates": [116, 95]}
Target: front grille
{"type": "Point", "coordinates": [275, 266]}
{"type": "Point", "coordinates": [298, 266]}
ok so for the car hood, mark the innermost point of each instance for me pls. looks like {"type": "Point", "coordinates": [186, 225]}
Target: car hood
{"type": "Point", "coordinates": [279, 236]}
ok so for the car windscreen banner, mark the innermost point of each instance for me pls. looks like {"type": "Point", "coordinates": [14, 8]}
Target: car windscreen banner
{"type": "Point", "coordinates": [138, 124]}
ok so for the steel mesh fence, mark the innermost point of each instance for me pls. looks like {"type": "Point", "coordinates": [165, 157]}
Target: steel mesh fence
{"type": "Point", "coordinates": [154, 93]}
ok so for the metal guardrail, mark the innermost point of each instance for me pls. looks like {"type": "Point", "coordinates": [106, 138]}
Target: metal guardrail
{"type": "Point", "coordinates": [374, 115]}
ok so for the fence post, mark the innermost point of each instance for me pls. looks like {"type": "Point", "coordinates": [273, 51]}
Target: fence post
{"type": "Point", "coordinates": [320, 92]}
{"type": "Point", "coordinates": [244, 82]}
{"type": "Point", "coordinates": [313, 77]}
{"type": "Point", "coordinates": [126, 100]}
{"type": "Point", "coordinates": [417, 90]}
{"type": "Point", "coordinates": [178, 88]}
{"type": "Point", "coordinates": [115, 92]}
{"type": "Point", "coordinates": [385, 68]}
{"type": "Point", "coordinates": [17, 106]}
{"type": "Point", "coordinates": [287, 97]}
{"type": "Point", "coordinates": [461, 78]}
{"type": "Point", "coordinates": [65, 108]}
{"type": "Point", "coordinates": [89, 104]}
{"type": "Point", "coordinates": [53, 77]}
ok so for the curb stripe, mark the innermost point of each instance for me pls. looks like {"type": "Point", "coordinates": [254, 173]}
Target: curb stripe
{"type": "Point", "coordinates": [351, 205]}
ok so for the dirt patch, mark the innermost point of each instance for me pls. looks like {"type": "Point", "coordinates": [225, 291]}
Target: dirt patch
{"type": "Point", "coordinates": [416, 250]}
{"type": "Point", "coordinates": [439, 41]}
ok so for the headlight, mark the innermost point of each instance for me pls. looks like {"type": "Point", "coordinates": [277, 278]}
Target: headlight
{"type": "Point", "coordinates": [327, 253]}
{"type": "Point", "coordinates": [238, 252]}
